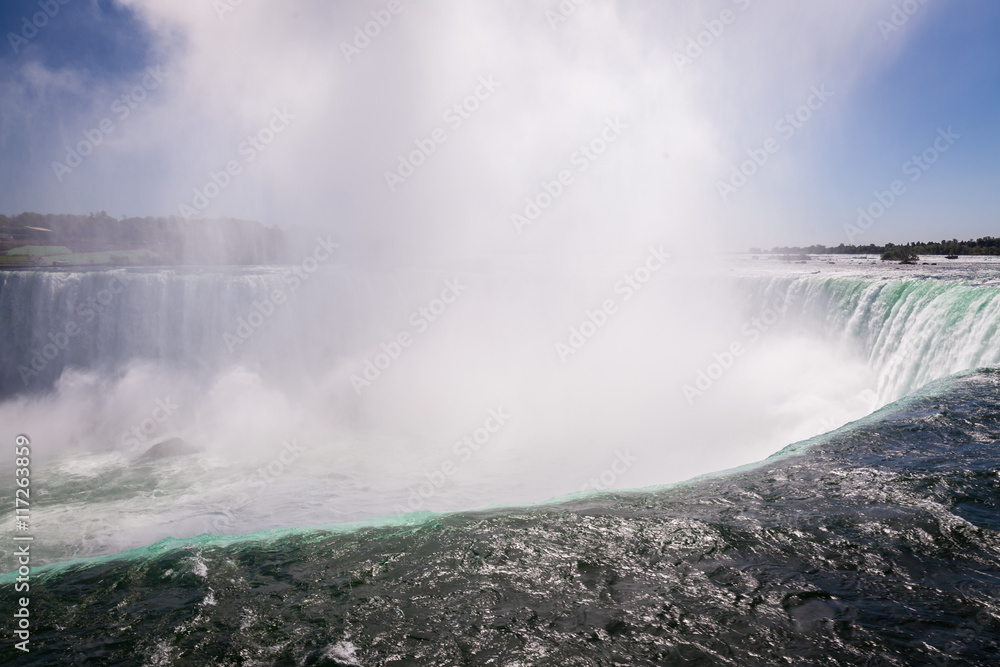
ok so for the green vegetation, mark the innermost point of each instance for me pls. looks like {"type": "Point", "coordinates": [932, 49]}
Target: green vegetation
{"type": "Point", "coordinates": [40, 250]}
{"type": "Point", "coordinates": [901, 254]}
{"type": "Point", "coordinates": [35, 239]}
{"type": "Point", "coordinates": [988, 245]}
{"type": "Point", "coordinates": [107, 258]}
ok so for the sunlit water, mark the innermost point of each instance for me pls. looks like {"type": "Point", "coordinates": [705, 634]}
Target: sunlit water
{"type": "Point", "coordinates": [479, 410]}
{"type": "Point", "coordinates": [875, 545]}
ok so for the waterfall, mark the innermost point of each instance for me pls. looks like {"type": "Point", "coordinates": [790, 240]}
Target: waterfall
{"type": "Point", "coordinates": [201, 319]}
{"type": "Point", "coordinates": [910, 331]}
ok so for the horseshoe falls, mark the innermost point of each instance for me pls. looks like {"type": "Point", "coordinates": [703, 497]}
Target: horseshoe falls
{"type": "Point", "coordinates": [780, 457]}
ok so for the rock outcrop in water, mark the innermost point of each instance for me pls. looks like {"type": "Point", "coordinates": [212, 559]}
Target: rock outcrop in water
{"type": "Point", "coordinates": [169, 448]}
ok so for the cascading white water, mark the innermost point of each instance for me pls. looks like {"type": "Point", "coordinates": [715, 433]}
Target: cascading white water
{"type": "Point", "coordinates": [52, 320]}
{"type": "Point", "coordinates": [910, 331]}
{"type": "Point", "coordinates": [56, 320]}
{"type": "Point", "coordinates": [291, 439]}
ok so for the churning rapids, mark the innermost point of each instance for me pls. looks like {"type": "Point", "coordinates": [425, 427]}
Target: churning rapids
{"type": "Point", "coordinates": [330, 509]}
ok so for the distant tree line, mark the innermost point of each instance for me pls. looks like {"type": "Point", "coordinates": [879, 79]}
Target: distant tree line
{"type": "Point", "coordinates": [988, 245]}
{"type": "Point", "coordinates": [174, 240]}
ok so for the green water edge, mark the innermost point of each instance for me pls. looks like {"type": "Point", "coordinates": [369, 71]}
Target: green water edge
{"type": "Point", "coordinates": [412, 521]}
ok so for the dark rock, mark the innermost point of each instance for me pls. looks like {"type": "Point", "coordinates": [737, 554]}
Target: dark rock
{"type": "Point", "coordinates": [169, 448]}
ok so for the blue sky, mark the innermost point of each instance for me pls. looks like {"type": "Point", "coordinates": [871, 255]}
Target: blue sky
{"type": "Point", "coordinates": [102, 44]}
{"type": "Point", "coordinates": [99, 36]}
{"type": "Point", "coordinates": [947, 76]}
{"type": "Point", "coordinates": [940, 70]}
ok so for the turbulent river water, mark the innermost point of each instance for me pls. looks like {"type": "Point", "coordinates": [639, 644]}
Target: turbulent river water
{"type": "Point", "coordinates": [874, 543]}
